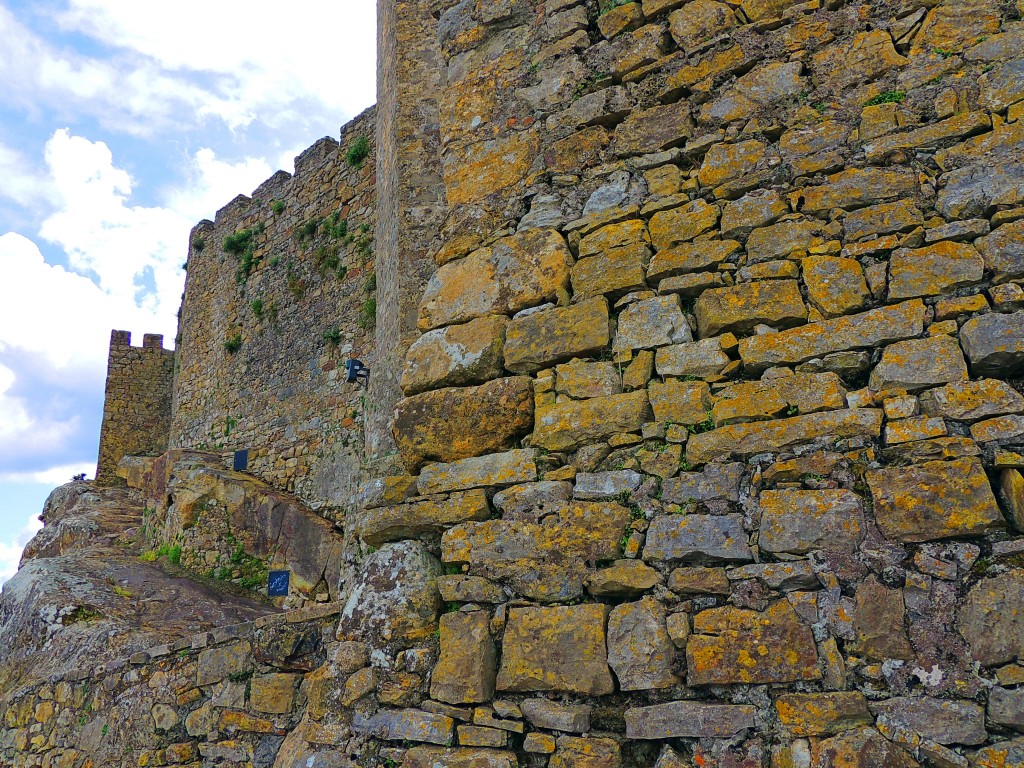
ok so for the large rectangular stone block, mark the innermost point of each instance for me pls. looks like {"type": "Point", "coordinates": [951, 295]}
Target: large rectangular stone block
{"type": "Point", "coordinates": [456, 423]}
{"type": "Point", "coordinates": [861, 331]}
{"type": "Point", "coordinates": [742, 440]}
{"type": "Point", "coordinates": [565, 426]}
{"type": "Point", "coordinates": [540, 339]}
{"type": "Point", "coordinates": [688, 720]}
{"type": "Point", "coordinates": [934, 500]}
{"type": "Point", "coordinates": [556, 649]}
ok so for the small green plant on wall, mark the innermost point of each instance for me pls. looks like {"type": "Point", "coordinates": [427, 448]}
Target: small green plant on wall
{"type": "Point", "coordinates": [277, 206]}
{"type": "Point", "coordinates": [233, 344]}
{"type": "Point", "coordinates": [358, 152]}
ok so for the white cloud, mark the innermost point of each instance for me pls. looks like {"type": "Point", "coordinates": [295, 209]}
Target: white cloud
{"type": "Point", "coordinates": [213, 183]}
{"type": "Point", "coordinates": [103, 234]}
{"type": "Point", "coordinates": [61, 318]}
{"type": "Point", "coordinates": [22, 184]}
{"type": "Point", "coordinates": [317, 50]}
{"type": "Point", "coordinates": [10, 552]}
{"type": "Point", "coordinates": [20, 431]}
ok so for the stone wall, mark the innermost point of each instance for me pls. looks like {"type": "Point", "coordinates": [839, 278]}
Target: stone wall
{"type": "Point", "coordinates": [715, 423]}
{"type": "Point", "coordinates": [226, 697]}
{"type": "Point", "coordinates": [713, 430]}
{"type": "Point", "coordinates": [137, 404]}
{"type": "Point", "coordinates": [280, 288]}
{"type": "Point", "coordinates": [411, 201]}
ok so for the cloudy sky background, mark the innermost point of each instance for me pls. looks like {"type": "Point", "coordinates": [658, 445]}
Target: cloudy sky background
{"type": "Point", "coordinates": [122, 124]}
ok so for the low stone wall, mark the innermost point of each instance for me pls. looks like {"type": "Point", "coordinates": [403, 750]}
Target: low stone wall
{"type": "Point", "coordinates": [225, 697]}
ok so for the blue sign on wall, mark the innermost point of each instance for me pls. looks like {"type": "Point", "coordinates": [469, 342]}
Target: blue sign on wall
{"type": "Point", "coordinates": [241, 460]}
{"type": "Point", "coordinates": [277, 583]}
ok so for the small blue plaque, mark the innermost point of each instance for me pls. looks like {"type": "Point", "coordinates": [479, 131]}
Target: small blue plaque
{"type": "Point", "coordinates": [241, 460]}
{"type": "Point", "coordinates": [277, 583]}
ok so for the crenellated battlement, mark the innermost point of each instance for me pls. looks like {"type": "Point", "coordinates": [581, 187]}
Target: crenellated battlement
{"type": "Point", "coordinates": [137, 402]}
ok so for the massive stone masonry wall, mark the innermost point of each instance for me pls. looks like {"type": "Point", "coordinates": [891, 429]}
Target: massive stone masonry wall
{"type": "Point", "coordinates": [411, 198]}
{"type": "Point", "coordinates": [226, 697]}
{"type": "Point", "coordinates": [715, 429]}
{"type": "Point", "coordinates": [266, 325]}
{"type": "Point", "coordinates": [715, 425]}
{"type": "Point", "coordinates": [137, 404]}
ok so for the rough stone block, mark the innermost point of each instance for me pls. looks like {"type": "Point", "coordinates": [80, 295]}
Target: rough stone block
{"type": "Point", "coordinates": [614, 272]}
{"type": "Point", "coordinates": [835, 286]}
{"type": "Point", "coordinates": [406, 725]}
{"type": "Point", "coordinates": [539, 339]}
{"type": "Point", "coordinates": [934, 500]}
{"type": "Point", "coordinates": [689, 720]}
{"type": "Point", "coordinates": [690, 257]}
{"type": "Point", "coordinates": [466, 669]}
{"type": "Point", "coordinates": [742, 440]}
{"type": "Point", "coordinates": [697, 537]}
{"type": "Point", "coordinates": [565, 426]}
{"type": "Point", "coordinates": [456, 356]}
{"type": "Point", "coordinates": [861, 331]}
{"type": "Point", "coordinates": [971, 401]}
{"type": "Point", "coordinates": [717, 481]}
{"type": "Point", "coordinates": [822, 714]}
{"type": "Point", "coordinates": [796, 522]}
{"type": "Point", "coordinates": [639, 648]}
{"type": "Point", "coordinates": [992, 618]}
{"type": "Point", "coordinates": [450, 424]}
{"type": "Point", "coordinates": [680, 402]}
{"type": "Point", "coordinates": [743, 306]}
{"type": "Point", "coordinates": [994, 344]}
{"type": "Point", "coordinates": [556, 649]}
{"type": "Point", "coordinates": [732, 645]}
{"type": "Point", "coordinates": [495, 469]}
{"type": "Point", "coordinates": [652, 323]}
{"type": "Point", "coordinates": [517, 272]}
{"type": "Point", "coordinates": [917, 364]}
{"type": "Point", "coordinates": [949, 721]}
{"type": "Point", "coordinates": [704, 359]}
{"type": "Point", "coordinates": [935, 269]}
{"type": "Point", "coordinates": [416, 518]}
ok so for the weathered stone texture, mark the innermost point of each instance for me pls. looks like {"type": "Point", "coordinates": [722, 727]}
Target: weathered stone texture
{"type": "Point", "coordinates": [934, 500]}
{"type": "Point", "coordinates": [451, 424]}
{"type": "Point", "coordinates": [556, 649]}
{"type": "Point", "coordinates": [731, 645]}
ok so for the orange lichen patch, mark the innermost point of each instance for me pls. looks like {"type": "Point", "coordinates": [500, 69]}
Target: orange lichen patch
{"type": "Point", "coordinates": [934, 500]}
{"type": "Point", "coordinates": [822, 714]}
{"type": "Point", "coordinates": [733, 645]}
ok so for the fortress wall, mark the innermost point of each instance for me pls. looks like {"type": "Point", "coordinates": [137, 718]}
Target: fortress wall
{"type": "Point", "coordinates": [264, 336]}
{"type": "Point", "coordinates": [411, 202]}
{"type": "Point", "coordinates": [720, 377]}
{"type": "Point", "coordinates": [137, 404]}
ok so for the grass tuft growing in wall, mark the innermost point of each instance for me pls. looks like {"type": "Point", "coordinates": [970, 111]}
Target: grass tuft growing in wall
{"type": "Point", "coordinates": [233, 344]}
{"type": "Point", "coordinates": [889, 97]}
{"type": "Point", "coordinates": [358, 152]}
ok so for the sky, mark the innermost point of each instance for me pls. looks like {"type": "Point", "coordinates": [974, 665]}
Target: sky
{"type": "Point", "coordinates": [123, 124]}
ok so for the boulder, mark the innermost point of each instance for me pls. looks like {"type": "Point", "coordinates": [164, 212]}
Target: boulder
{"type": "Point", "coordinates": [395, 599]}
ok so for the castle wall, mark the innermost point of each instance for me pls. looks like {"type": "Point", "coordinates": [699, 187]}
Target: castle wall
{"type": "Point", "coordinates": [137, 405]}
{"type": "Point", "coordinates": [265, 331]}
{"type": "Point", "coordinates": [717, 411]}
{"type": "Point", "coordinates": [411, 200]}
